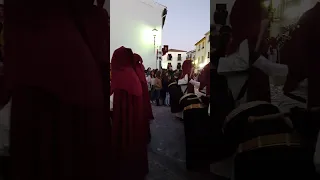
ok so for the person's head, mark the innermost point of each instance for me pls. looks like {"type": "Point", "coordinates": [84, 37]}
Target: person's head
{"type": "Point", "coordinates": [149, 69]}
{"type": "Point", "coordinates": [122, 57]}
{"type": "Point", "coordinates": [187, 68]}
{"type": "Point", "coordinates": [158, 74]}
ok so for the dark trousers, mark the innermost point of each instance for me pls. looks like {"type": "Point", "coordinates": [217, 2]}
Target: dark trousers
{"type": "Point", "coordinates": [197, 139]}
{"type": "Point", "coordinates": [156, 96]}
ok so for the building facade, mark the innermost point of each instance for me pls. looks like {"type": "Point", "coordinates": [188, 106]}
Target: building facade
{"type": "Point", "coordinates": [140, 28]}
{"type": "Point", "coordinates": [191, 55]}
{"type": "Point", "coordinates": [202, 54]}
{"type": "Point", "coordinates": [173, 57]}
{"type": "Point", "coordinates": [208, 47]}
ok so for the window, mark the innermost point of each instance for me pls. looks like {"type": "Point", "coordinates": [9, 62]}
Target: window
{"type": "Point", "coordinates": [202, 44]}
{"type": "Point", "coordinates": [169, 57]}
{"type": "Point", "coordinates": [194, 57]}
{"type": "Point", "coordinates": [179, 57]}
{"type": "Point", "coordinates": [221, 7]}
{"type": "Point", "coordinates": [208, 54]}
{"type": "Point", "coordinates": [202, 59]}
{"type": "Point", "coordinates": [199, 47]}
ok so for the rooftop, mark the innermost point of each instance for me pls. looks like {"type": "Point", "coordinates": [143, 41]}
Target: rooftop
{"type": "Point", "coordinates": [200, 41]}
{"type": "Point", "coordinates": [176, 50]}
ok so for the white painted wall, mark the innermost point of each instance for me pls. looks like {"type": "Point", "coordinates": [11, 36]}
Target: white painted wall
{"type": "Point", "coordinates": [191, 54]}
{"type": "Point", "coordinates": [207, 47]}
{"type": "Point", "coordinates": [201, 56]}
{"type": "Point", "coordinates": [174, 62]}
{"type": "Point", "coordinates": [131, 23]}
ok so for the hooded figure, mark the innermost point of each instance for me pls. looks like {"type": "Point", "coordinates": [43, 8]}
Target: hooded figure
{"type": "Point", "coordinates": [58, 115]}
{"type": "Point", "coordinates": [186, 76]}
{"type": "Point", "coordinates": [148, 115]}
{"type": "Point", "coordinates": [246, 26]}
{"type": "Point", "coordinates": [129, 126]}
{"type": "Point", "coordinates": [302, 84]}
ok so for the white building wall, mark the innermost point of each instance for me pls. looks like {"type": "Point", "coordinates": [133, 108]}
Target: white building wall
{"type": "Point", "coordinates": [131, 23]}
{"type": "Point", "coordinates": [191, 55]}
{"type": "Point", "coordinates": [207, 59]}
{"type": "Point", "coordinates": [201, 55]}
{"type": "Point", "coordinates": [174, 62]}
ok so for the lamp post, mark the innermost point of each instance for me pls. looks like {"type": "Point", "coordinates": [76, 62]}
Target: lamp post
{"type": "Point", "coordinates": [154, 32]}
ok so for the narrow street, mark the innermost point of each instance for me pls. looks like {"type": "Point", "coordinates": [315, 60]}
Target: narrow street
{"type": "Point", "coordinates": [167, 149]}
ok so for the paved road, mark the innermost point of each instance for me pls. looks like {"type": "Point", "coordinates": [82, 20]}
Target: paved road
{"type": "Point", "coordinates": [167, 149]}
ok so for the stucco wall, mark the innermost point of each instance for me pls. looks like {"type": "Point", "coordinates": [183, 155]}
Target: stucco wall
{"type": "Point", "coordinates": [131, 23]}
{"type": "Point", "coordinates": [174, 62]}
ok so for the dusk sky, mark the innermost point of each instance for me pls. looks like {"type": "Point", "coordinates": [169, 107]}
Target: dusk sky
{"type": "Point", "coordinates": [186, 23]}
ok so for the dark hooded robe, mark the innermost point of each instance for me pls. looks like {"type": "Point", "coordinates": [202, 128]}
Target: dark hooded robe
{"type": "Point", "coordinates": [58, 115]}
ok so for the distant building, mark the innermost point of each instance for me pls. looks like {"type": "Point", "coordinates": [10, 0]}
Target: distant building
{"type": "Point", "coordinates": [174, 57]}
{"type": "Point", "coordinates": [202, 52]}
{"type": "Point", "coordinates": [207, 48]}
{"type": "Point", "coordinates": [191, 55]}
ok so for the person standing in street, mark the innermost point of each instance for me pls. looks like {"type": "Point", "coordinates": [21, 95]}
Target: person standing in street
{"type": "Point", "coordinates": [129, 127]}
{"type": "Point", "coordinates": [157, 88]}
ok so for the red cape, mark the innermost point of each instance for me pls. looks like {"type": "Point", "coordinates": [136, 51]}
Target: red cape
{"type": "Point", "coordinates": [129, 127]}
{"type": "Point", "coordinates": [204, 79]}
{"type": "Point", "coordinates": [145, 92]}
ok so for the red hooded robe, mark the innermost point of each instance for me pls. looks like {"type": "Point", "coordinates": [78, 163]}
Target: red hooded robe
{"type": "Point", "coordinates": [145, 92]}
{"type": "Point", "coordinates": [245, 19]}
{"type": "Point", "coordinates": [129, 134]}
{"type": "Point", "coordinates": [187, 68]}
{"type": "Point", "coordinates": [58, 120]}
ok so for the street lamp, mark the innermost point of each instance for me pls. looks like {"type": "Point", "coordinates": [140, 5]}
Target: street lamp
{"type": "Point", "coordinates": [154, 32]}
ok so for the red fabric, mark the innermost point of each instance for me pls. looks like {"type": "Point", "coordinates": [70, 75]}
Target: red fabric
{"type": "Point", "coordinates": [186, 68]}
{"type": "Point", "coordinates": [123, 74]}
{"type": "Point", "coordinates": [59, 128]}
{"type": "Point", "coordinates": [245, 19]}
{"type": "Point", "coordinates": [204, 79]}
{"type": "Point", "coordinates": [145, 92]}
{"type": "Point", "coordinates": [129, 127]}
{"type": "Point", "coordinates": [139, 68]}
